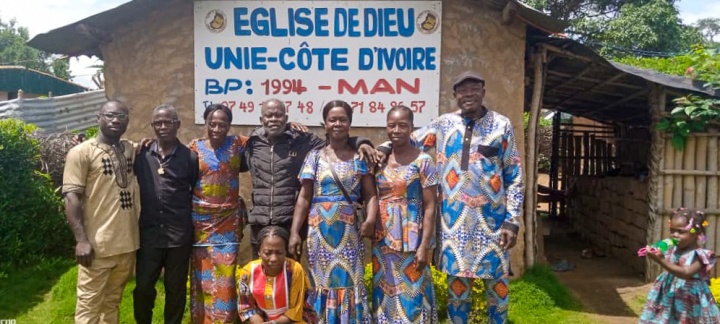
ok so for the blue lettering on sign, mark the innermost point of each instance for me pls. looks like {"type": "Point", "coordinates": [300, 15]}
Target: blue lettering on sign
{"type": "Point", "coordinates": [366, 59]}
{"type": "Point", "coordinates": [213, 86]}
{"type": "Point", "coordinates": [346, 22]}
{"type": "Point", "coordinates": [320, 22]}
{"type": "Point", "coordinates": [388, 22]}
{"type": "Point", "coordinates": [306, 58]}
{"type": "Point", "coordinates": [241, 58]}
{"type": "Point", "coordinates": [305, 22]}
{"type": "Point", "coordinates": [241, 22]}
{"type": "Point", "coordinates": [302, 17]}
{"type": "Point", "coordinates": [339, 59]}
{"type": "Point", "coordinates": [401, 59]}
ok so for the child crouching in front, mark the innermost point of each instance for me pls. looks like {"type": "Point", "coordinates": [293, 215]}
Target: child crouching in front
{"type": "Point", "coordinates": [681, 294]}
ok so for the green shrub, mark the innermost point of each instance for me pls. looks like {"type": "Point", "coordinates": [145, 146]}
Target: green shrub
{"type": "Point", "coordinates": [31, 218]}
{"type": "Point", "coordinates": [478, 312]}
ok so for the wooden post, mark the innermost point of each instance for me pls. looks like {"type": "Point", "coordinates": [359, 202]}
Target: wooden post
{"type": "Point", "coordinates": [554, 163]}
{"type": "Point", "coordinates": [592, 154]}
{"type": "Point", "coordinates": [530, 156]}
{"type": "Point", "coordinates": [599, 147]}
{"type": "Point", "coordinates": [677, 180]}
{"type": "Point", "coordinates": [689, 164]}
{"type": "Point", "coordinates": [586, 153]}
{"type": "Point", "coordinates": [657, 146]}
{"type": "Point", "coordinates": [570, 155]}
{"type": "Point", "coordinates": [608, 156]}
{"type": "Point", "coordinates": [668, 184]}
{"type": "Point", "coordinates": [712, 191]}
{"type": "Point", "coordinates": [701, 164]}
{"type": "Point", "coordinates": [577, 154]}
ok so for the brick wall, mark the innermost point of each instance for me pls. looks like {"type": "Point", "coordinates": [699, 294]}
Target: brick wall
{"type": "Point", "coordinates": [611, 213]}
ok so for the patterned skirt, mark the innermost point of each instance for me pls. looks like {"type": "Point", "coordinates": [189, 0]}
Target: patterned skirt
{"type": "Point", "coordinates": [401, 294]}
{"type": "Point", "coordinates": [335, 256]}
{"type": "Point", "coordinates": [213, 294]}
{"type": "Point", "coordinates": [674, 300]}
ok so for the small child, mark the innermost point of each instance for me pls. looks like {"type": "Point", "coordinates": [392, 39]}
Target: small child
{"type": "Point", "coordinates": [681, 294]}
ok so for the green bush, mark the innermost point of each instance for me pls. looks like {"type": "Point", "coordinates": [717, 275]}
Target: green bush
{"type": "Point", "coordinates": [478, 312]}
{"type": "Point", "coordinates": [31, 218]}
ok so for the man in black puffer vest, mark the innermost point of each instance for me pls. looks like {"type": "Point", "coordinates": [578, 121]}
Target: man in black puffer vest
{"type": "Point", "coordinates": [275, 153]}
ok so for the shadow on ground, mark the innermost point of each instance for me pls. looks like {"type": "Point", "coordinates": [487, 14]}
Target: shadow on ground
{"type": "Point", "coordinates": [21, 289]}
{"type": "Point", "coordinates": [609, 290]}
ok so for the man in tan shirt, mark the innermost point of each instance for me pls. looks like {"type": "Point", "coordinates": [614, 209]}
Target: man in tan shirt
{"type": "Point", "coordinates": [102, 206]}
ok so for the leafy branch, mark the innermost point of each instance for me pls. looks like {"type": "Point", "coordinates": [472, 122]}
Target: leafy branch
{"type": "Point", "coordinates": [694, 113]}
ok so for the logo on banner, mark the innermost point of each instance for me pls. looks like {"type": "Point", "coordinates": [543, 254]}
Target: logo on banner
{"type": "Point", "coordinates": [427, 22]}
{"type": "Point", "coordinates": [215, 20]}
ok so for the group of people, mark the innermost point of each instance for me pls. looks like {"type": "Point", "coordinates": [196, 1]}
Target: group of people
{"type": "Point", "coordinates": [305, 192]}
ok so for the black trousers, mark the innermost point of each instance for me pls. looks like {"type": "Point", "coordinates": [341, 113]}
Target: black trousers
{"type": "Point", "coordinates": [150, 262]}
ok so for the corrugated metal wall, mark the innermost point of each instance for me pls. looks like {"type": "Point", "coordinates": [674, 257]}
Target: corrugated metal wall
{"type": "Point", "coordinates": [58, 114]}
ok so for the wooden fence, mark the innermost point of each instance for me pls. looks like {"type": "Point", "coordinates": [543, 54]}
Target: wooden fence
{"type": "Point", "coordinates": [581, 150]}
{"type": "Point", "coordinates": [690, 179]}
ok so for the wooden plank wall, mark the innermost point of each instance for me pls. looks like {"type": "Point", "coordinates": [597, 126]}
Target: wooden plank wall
{"type": "Point", "coordinates": [690, 179]}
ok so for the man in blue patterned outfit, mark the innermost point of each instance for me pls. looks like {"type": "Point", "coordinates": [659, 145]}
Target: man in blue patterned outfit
{"type": "Point", "coordinates": [481, 185]}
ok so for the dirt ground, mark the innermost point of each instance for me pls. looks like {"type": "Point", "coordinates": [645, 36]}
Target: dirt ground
{"type": "Point", "coordinates": [610, 291]}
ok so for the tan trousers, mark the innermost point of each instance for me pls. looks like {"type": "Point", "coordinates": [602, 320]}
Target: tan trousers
{"type": "Point", "coordinates": [100, 288]}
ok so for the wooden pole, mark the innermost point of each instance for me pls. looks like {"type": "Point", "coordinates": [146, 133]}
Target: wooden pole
{"type": "Point", "coordinates": [677, 200]}
{"type": "Point", "coordinates": [577, 154]}
{"type": "Point", "coordinates": [689, 164]}
{"type": "Point", "coordinates": [608, 156]}
{"type": "Point", "coordinates": [668, 184]}
{"type": "Point", "coordinates": [530, 157]}
{"type": "Point", "coordinates": [586, 153]}
{"type": "Point", "coordinates": [592, 154]}
{"type": "Point", "coordinates": [701, 165]}
{"type": "Point", "coordinates": [554, 165]}
{"type": "Point", "coordinates": [570, 155]}
{"type": "Point", "coordinates": [655, 204]}
{"type": "Point", "coordinates": [712, 192]}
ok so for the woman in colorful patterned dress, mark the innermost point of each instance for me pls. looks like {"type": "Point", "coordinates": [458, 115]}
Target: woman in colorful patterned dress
{"type": "Point", "coordinates": [334, 244]}
{"type": "Point", "coordinates": [407, 189]}
{"type": "Point", "coordinates": [216, 222]}
{"type": "Point", "coordinates": [681, 294]}
{"type": "Point", "coordinates": [274, 287]}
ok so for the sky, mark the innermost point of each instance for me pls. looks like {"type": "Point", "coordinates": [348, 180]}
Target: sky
{"type": "Point", "coordinates": [41, 16]}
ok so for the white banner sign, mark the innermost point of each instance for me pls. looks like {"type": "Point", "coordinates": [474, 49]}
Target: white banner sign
{"type": "Point", "coordinates": [371, 54]}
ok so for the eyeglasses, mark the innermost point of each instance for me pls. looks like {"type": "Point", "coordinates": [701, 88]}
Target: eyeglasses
{"type": "Point", "coordinates": [110, 116]}
{"type": "Point", "coordinates": [160, 123]}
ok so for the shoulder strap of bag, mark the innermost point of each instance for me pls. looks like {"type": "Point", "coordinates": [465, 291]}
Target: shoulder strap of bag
{"type": "Point", "coordinates": [337, 179]}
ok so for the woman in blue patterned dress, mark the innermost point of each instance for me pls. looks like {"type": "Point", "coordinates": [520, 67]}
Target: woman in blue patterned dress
{"type": "Point", "coordinates": [681, 293]}
{"type": "Point", "coordinates": [407, 188]}
{"type": "Point", "coordinates": [334, 244]}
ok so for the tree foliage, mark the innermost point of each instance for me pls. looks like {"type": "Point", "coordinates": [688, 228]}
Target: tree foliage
{"type": "Point", "coordinates": [676, 65]}
{"type": "Point", "coordinates": [618, 28]}
{"type": "Point", "coordinates": [694, 113]}
{"type": "Point", "coordinates": [14, 51]}
{"type": "Point", "coordinates": [574, 10]}
{"type": "Point", "coordinates": [30, 210]}
{"type": "Point", "coordinates": [710, 28]}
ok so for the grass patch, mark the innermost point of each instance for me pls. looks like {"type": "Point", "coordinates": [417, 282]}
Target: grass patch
{"type": "Point", "coordinates": [46, 294]}
{"type": "Point", "coordinates": [538, 297]}
{"type": "Point", "coordinates": [23, 288]}
{"type": "Point", "coordinates": [58, 305]}
{"type": "Point", "coordinates": [637, 304]}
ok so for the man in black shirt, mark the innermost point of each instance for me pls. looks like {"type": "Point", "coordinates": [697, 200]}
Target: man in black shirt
{"type": "Point", "coordinates": [166, 171]}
